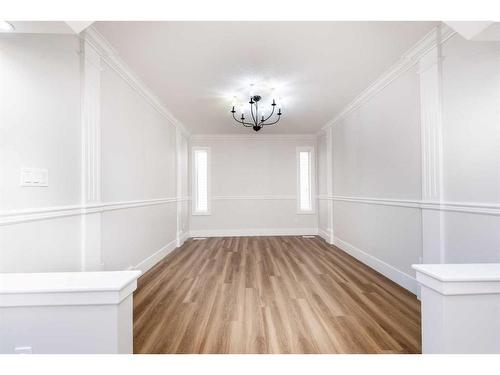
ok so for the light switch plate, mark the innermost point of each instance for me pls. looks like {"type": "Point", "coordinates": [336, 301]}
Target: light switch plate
{"type": "Point", "coordinates": [34, 177]}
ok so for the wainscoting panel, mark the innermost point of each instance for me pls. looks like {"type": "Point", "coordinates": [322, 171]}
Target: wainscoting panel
{"type": "Point", "coordinates": [131, 236]}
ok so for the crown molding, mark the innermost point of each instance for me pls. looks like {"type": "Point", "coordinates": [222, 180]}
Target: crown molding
{"type": "Point", "coordinates": [110, 56]}
{"type": "Point", "coordinates": [254, 137]}
{"type": "Point", "coordinates": [409, 59]}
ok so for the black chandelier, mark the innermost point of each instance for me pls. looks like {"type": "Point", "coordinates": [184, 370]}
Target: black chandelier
{"type": "Point", "coordinates": [257, 123]}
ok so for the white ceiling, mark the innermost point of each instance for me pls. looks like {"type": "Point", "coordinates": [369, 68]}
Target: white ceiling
{"type": "Point", "coordinates": [317, 68]}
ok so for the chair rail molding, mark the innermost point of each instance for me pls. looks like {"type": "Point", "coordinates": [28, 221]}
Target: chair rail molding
{"type": "Point", "coordinates": [46, 213]}
{"type": "Point", "coordinates": [479, 208]}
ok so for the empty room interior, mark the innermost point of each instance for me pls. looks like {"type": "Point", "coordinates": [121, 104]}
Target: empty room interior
{"type": "Point", "coordinates": [249, 187]}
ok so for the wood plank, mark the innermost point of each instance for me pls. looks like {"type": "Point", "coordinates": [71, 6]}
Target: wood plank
{"type": "Point", "coordinates": [284, 294]}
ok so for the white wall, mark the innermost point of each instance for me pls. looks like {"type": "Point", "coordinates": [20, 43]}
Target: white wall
{"type": "Point", "coordinates": [378, 145]}
{"type": "Point", "coordinates": [39, 128]}
{"type": "Point", "coordinates": [135, 150]}
{"type": "Point", "coordinates": [138, 163]}
{"type": "Point", "coordinates": [376, 154]}
{"type": "Point", "coordinates": [253, 187]}
{"type": "Point", "coordinates": [471, 144]}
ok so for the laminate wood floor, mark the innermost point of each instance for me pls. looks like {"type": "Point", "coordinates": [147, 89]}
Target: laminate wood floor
{"type": "Point", "coordinates": [271, 295]}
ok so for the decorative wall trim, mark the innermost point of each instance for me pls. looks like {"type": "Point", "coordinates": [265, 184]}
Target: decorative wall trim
{"type": "Point", "coordinates": [110, 56]}
{"type": "Point", "coordinates": [254, 197]}
{"type": "Point", "coordinates": [431, 125]}
{"type": "Point", "coordinates": [21, 216]}
{"type": "Point", "coordinates": [183, 238]}
{"type": "Point", "coordinates": [431, 141]}
{"type": "Point", "coordinates": [250, 137]}
{"type": "Point", "coordinates": [153, 259]}
{"type": "Point", "coordinates": [406, 281]}
{"type": "Point", "coordinates": [380, 201]}
{"type": "Point", "coordinates": [465, 207]}
{"type": "Point", "coordinates": [181, 160]}
{"type": "Point", "coordinates": [254, 232]}
{"type": "Point", "coordinates": [408, 60]}
{"type": "Point", "coordinates": [91, 161]}
{"type": "Point", "coordinates": [91, 123]}
{"type": "Point", "coordinates": [329, 182]}
{"type": "Point", "coordinates": [324, 234]}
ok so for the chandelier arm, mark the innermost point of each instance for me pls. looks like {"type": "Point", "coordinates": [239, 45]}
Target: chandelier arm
{"type": "Point", "coordinates": [268, 117]}
{"type": "Point", "coordinates": [245, 124]}
{"type": "Point", "coordinates": [272, 123]}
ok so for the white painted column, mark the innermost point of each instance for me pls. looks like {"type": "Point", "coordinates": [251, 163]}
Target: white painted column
{"type": "Point", "coordinates": [91, 247]}
{"type": "Point", "coordinates": [329, 183]}
{"type": "Point", "coordinates": [432, 150]}
{"type": "Point", "coordinates": [178, 154]}
{"type": "Point", "coordinates": [460, 308]}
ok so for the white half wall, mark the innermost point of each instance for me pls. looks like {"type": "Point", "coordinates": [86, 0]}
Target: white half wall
{"type": "Point", "coordinates": [253, 187]}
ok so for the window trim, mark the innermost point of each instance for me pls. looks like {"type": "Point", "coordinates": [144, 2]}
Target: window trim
{"type": "Point", "coordinates": [194, 182]}
{"type": "Point", "coordinates": [312, 176]}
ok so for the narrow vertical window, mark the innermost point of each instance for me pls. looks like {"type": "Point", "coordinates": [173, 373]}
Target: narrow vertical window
{"type": "Point", "coordinates": [304, 166]}
{"type": "Point", "coordinates": [201, 204]}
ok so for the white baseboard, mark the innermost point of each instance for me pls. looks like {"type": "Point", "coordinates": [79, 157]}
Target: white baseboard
{"type": "Point", "coordinates": [392, 273]}
{"type": "Point", "coordinates": [399, 277]}
{"type": "Point", "coordinates": [182, 238]}
{"type": "Point", "coordinates": [150, 261]}
{"type": "Point", "coordinates": [324, 234]}
{"type": "Point", "coordinates": [254, 232]}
